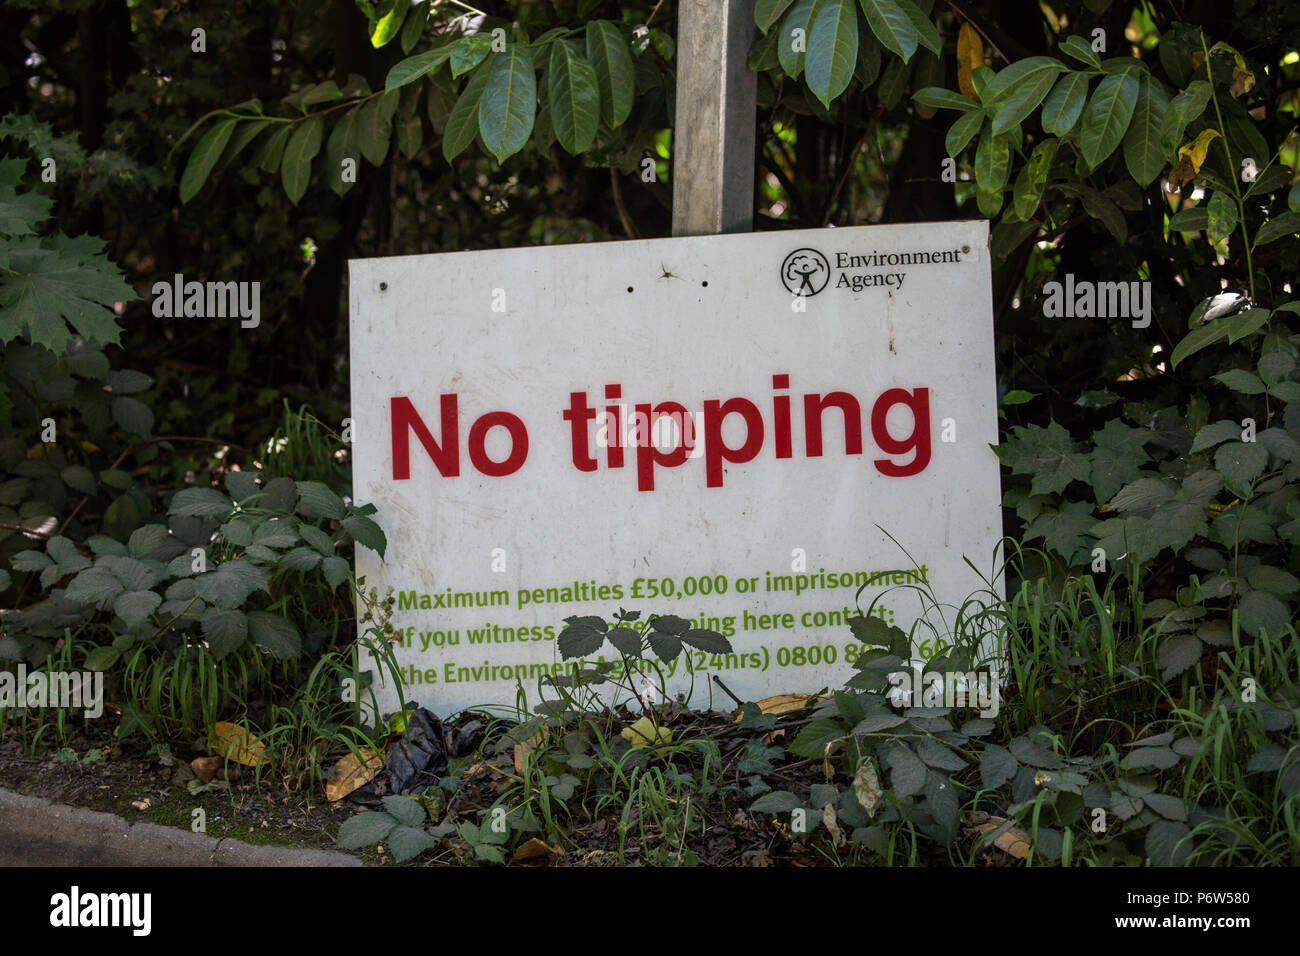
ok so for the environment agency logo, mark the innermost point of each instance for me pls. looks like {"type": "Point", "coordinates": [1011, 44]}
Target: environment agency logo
{"type": "Point", "coordinates": [805, 272]}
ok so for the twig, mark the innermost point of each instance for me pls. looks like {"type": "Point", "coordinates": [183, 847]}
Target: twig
{"type": "Point", "coordinates": [618, 205]}
{"type": "Point", "coordinates": [848, 165]}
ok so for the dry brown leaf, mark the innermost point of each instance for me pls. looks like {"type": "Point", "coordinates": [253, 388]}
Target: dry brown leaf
{"type": "Point", "coordinates": [535, 848]}
{"type": "Point", "coordinates": [523, 749]}
{"type": "Point", "coordinates": [970, 55]}
{"type": "Point", "coordinates": [866, 787]}
{"type": "Point", "coordinates": [1013, 841]}
{"type": "Point", "coordinates": [205, 768]}
{"type": "Point", "coordinates": [231, 740]}
{"type": "Point", "coordinates": [782, 704]}
{"type": "Point", "coordinates": [832, 826]}
{"type": "Point", "coordinates": [141, 804]}
{"type": "Point", "coordinates": [351, 773]}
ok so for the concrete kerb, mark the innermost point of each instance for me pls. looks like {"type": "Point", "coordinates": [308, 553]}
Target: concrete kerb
{"type": "Point", "coordinates": [37, 832]}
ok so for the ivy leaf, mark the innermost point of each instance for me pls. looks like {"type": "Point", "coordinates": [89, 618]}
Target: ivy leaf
{"type": "Point", "coordinates": [574, 97]}
{"type": "Point", "coordinates": [61, 278]}
{"type": "Point", "coordinates": [1106, 117]}
{"type": "Point", "coordinates": [609, 55]}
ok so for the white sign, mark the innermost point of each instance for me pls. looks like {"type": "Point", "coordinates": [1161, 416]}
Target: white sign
{"type": "Point", "coordinates": [707, 427]}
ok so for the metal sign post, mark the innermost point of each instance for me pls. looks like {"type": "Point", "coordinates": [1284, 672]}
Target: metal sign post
{"type": "Point", "coordinates": [713, 143]}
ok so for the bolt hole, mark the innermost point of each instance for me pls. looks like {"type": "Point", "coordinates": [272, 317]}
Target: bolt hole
{"type": "Point", "coordinates": [705, 283]}
{"type": "Point", "coordinates": [383, 287]}
{"type": "Point", "coordinates": [629, 288]}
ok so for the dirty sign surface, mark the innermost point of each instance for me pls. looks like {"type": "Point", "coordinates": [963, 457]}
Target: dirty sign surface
{"type": "Point", "coordinates": [707, 427]}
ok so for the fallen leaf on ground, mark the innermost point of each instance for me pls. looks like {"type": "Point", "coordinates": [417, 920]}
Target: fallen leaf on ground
{"type": "Point", "coordinates": [645, 732]}
{"type": "Point", "coordinates": [1013, 840]}
{"type": "Point", "coordinates": [233, 741]}
{"type": "Point", "coordinates": [782, 704]}
{"type": "Point", "coordinates": [535, 848]}
{"type": "Point", "coordinates": [351, 773]}
{"type": "Point", "coordinates": [141, 804]}
{"type": "Point", "coordinates": [205, 768]}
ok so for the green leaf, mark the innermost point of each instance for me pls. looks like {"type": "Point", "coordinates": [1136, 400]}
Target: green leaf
{"type": "Point", "coordinates": [102, 658]}
{"type": "Point", "coordinates": [342, 145]}
{"type": "Point", "coordinates": [992, 161]}
{"type": "Point", "coordinates": [574, 97]}
{"type": "Point", "coordinates": [926, 31]}
{"type": "Point", "coordinates": [365, 829]}
{"type": "Point", "coordinates": [892, 26]}
{"type": "Point", "coordinates": [1046, 453]}
{"type": "Point", "coordinates": [374, 127]}
{"type": "Point", "coordinates": [1240, 463]}
{"type": "Point", "coordinates": [200, 503]}
{"type": "Point", "coordinates": [581, 638]}
{"type": "Point", "coordinates": [1143, 154]}
{"type": "Point", "coordinates": [778, 801]}
{"type": "Point", "coordinates": [1081, 50]}
{"type": "Point", "coordinates": [93, 586]}
{"type": "Point", "coordinates": [609, 55]}
{"type": "Point", "coordinates": [409, 842]}
{"type": "Point", "coordinates": [231, 583]}
{"type": "Point", "coordinates": [295, 169]}
{"type": "Point", "coordinates": [1213, 435]}
{"type": "Point", "coordinates": [79, 478]}
{"type": "Point", "coordinates": [462, 124]}
{"type": "Point", "coordinates": [1200, 337]}
{"type": "Point", "coordinates": [767, 12]}
{"type": "Point", "coordinates": [204, 158]}
{"type": "Point", "coordinates": [1221, 215]}
{"type": "Point", "coordinates": [61, 278]}
{"type": "Point", "coordinates": [816, 737]}
{"type": "Point", "coordinates": [133, 415]}
{"type": "Point", "coordinates": [997, 766]}
{"type": "Point", "coordinates": [1029, 71]}
{"type": "Point", "coordinates": [792, 38]}
{"type": "Point", "coordinates": [1183, 108]}
{"type": "Point", "coordinates": [906, 771]}
{"type": "Point", "coordinates": [832, 48]}
{"type": "Point", "coordinates": [1177, 653]}
{"type": "Point", "coordinates": [1287, 224]}
{"type": "Point", "coordinates": [1064, 105]}
{"type": "Point", "coordinates": [939, 98]}
{"type": "Point", "coordinates": [20, 212]}
{"type": "Point", "coordinates": [963, 131]}
{"type": "Point", "coordinates": [1031, 181]}
{"type": "Point", "coordinates": [389, 24]}
{"type": "Point", "coordinates": [365, 532]}
{"type": "Point", "coordinates": [336, 570]}
{"type": "Point", "coordinates": [1014, 103]}
{"type": "Point", "coordinates": [225, 631]}
{"type": "Point", "coordinates": [415, 67]}
{"type": "Point", "coordinates": [1241, 380]}
{"type": "Point", "coordinates": [277, 634]}
{"type": "Point", "coordinates": [706, 640]}
{"type": "Point", "coordinates": [1190, 220]}
{"type": "Point", "coordinates": [414, 26]}
{"type": "Point", "coordinates": [1106, 117]}
{"type": "Point", "coordinates": [316, 501]}
{"type": "Point", "coordinates": [299, 559]}
{"type": "Point", "coordinates": [625, 640]}
{"type": "Point", "coordinates": [134, 607]}
{"type": "Point", "coordinates": [405, 810]}
{"type": "Point", "coordinates": [468, 52]}
{"type": "Point", "coordinates": [1273, 580]}
{"type": "Point", "coordinates": [1168, 843]}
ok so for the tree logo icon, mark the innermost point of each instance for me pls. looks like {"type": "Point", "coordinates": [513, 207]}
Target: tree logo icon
{"type": "Point", "coordinates": [805, 272]}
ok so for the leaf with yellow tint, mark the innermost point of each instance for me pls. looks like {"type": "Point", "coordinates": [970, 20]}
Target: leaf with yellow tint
{"type": "Point", "coordinates": [236, 743]}
{"type": "Point", "coordinates": [970, 56]}
{"type": "Point", "coordinates": [645, 732]}
{"type": "Point", "coordinates": [351, 773]}
{"type": "Point", "coordinates": [1191, 158]}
